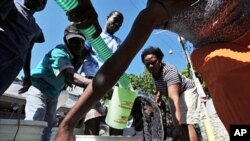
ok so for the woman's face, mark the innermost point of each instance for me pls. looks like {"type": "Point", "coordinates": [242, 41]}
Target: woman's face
{"type": "Point", "coordinates": [152, 63]}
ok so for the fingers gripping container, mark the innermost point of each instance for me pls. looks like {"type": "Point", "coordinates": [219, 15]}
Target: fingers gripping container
{"type": "Point", "coordinates": [104, 52]}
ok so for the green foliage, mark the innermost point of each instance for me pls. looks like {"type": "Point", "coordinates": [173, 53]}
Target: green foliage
{"type": "Point", "coordinates": [186, 72]}
{"type": "Point", "coordinates": [142, 82]}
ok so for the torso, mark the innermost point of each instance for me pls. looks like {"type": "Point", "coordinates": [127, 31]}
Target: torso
{"type": "Point", "coordinates": [19, 31]}
{"type": "Point", "coordinates": [211, 21]}
{"type": "Point", "coordinates": [47, 75]}
{"type": "Point", "coordinates": [93, 62]}
{"type": "Point", "coordinates": [170, 76]}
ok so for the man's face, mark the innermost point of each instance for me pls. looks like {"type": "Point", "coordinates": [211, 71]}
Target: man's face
{"type": "Point", "coordinates": [114, 23]}
{"type": "Point", "coordinates": [152, 63]}
{"type": "Point", "coordinates": [76, 46]}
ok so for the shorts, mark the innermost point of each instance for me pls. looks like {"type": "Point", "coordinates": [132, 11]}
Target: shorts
{"type": "Point", "coordinates": [190, 106]}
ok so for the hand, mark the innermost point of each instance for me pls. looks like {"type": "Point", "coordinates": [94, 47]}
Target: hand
{"type": "Point", "coordinates": [84, 15]}
{"type": "Point", "coordinates": [68, 84]}
{"type": "Point", "coordinates": [26, 85]}
{"type": "Point", "coordinates": [158, 98]}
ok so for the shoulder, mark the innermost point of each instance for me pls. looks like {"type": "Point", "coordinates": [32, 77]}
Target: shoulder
{"type": "Point", "coordinates": [60, 48]}
{"type": "Point", "coordinates": [170, 72]}
{"type": "Point", "coordinates": [118, 40]}
{"type": "Point", "coordinates": [169, 67]}
{"type": "Point", "coordinates": [60, 51]}
{"type": "Point", "coordinates": [20, 7]}
{"type": "Point", "coordinates": [17, 4]}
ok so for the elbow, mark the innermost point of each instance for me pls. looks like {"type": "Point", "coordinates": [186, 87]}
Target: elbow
{"type": "Point", "coordinates": [102, 82]}
{"type": "Point", "coordinates": [99, 81]}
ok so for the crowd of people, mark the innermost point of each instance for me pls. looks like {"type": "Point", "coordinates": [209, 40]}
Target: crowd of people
{"type": "Point", "coordinates": [218, 29]}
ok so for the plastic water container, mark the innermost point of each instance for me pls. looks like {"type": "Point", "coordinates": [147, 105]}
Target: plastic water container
{"type": "Point", "coordinates": [120, 108]}
{"type": "Point", "coordinates": [21, 130]}
{"type": "Point", "coordinates": [77, 131]}
{"type": "Point", "coordinates": [99, 45]}
{"type": "Point", "coordinates": [106, 138]}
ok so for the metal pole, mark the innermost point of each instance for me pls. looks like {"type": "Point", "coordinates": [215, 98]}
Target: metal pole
{"type": "Point", "coordinates": [197, 82]}
{"type": "Point", "coordinates": [182, 40]}
{"type": "Point", "coordinates": [200, 90]}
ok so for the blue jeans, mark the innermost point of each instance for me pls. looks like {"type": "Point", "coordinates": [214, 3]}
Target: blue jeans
{"type": "Point", "coordinates": [41, 107]}
{"type": "Point", "coordinates": [10, 66]}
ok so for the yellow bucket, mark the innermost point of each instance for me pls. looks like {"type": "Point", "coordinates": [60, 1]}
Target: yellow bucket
{"type": "Point", "coordinates": [120, 107]}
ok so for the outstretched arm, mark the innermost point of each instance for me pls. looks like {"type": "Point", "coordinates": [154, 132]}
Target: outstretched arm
{"type": "Point", "coordinates": [173, 94]}
{"type": "Point", "coordinates": [26, 66]}
{"type": "Point", "coordinates": [26, 70]}
{"type": "Point", "coordinates": [113, 68]}
{"type": "Point", "coordinates": [142, 28]}
{"type": "Point", "coordinates": [75, 78]}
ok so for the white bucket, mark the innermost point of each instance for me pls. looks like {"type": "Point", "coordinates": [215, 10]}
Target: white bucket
{"type": "Point", "coordinates": [77, 131]}
{"type": "Point", "coordinates": [106, 138]}
{"type": "Point", "coordinates": [21, 130]}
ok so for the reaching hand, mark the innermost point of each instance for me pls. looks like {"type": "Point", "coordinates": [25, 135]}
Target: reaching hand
{"type": "Point", "coordinates": [26, 85]}
{"type": "Point", "coordinates": [83, 16]}
{"type": "Point", "coordinates": [158, 98]}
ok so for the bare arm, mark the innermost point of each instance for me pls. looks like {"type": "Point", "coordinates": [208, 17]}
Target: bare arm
{"type": "Point", "coordinates": [75, 78]}
{"type": "Point", "coordinates": [173, 94]}
{"type": "Point", "coordinates": [113, 68]}
{"type": "Point", "coordinates": [26, 67]}
{"type": "Point", "coordinates": [142, 28]}
{"type": "Point", "coordinates": [26, 70]}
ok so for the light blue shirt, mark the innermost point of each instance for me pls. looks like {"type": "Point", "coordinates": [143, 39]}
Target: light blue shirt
{"type": "Point", "coordinates": [93, 62]}
{"type": "Point", "coordinates": [47, 75]}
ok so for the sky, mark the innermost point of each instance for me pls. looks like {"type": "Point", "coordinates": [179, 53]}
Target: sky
{"type": "Point", "coordinates": [53, 21]}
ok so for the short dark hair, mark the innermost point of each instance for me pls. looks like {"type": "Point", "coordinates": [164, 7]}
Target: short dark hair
{"type": "Point", "coordinates": [115, 11]}
{"type": "Point", "coordinates": [152, 50]}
